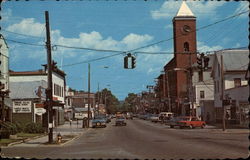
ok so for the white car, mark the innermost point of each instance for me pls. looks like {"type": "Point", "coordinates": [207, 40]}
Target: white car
{"type": "Point", "coordinates": [154, 118]}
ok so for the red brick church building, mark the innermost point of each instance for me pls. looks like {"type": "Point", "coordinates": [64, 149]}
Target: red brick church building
{"type": "Point", "coordinates": [177, 70]}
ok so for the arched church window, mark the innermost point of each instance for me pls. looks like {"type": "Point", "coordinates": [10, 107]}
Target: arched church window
{"type": "Point", "coordinates": [186, 47]}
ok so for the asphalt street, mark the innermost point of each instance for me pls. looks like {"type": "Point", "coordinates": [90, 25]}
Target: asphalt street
{"type": "Point", "coordinates": [143, 139]}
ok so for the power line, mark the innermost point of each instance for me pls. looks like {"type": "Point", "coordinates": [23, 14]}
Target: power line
{"type": "Point", "coordinates": [26, 35]}
{"type": "Point", "coordinates": [26, 43]}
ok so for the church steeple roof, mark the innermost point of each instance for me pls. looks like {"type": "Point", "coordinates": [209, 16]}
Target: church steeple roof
{"type": "Point", "coordinates": [184, 11]}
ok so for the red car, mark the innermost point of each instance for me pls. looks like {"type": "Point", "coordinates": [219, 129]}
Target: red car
{"type": "Point", "coordinates": [190, 122]}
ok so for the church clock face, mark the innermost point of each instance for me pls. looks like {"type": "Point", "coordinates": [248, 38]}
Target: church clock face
{"type": "Point", "coordinates": [185, 29]}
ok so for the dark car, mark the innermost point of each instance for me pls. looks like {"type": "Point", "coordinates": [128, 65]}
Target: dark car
{"type": "Point", "coordinates": [98, 122]}
{"type": "Point", "coordinates": [172, 122]}
{"type": "Point", "coordinates": [120, 121]}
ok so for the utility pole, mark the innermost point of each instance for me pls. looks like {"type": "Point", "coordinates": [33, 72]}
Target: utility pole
{"type": "Point", "coordinates": [49, 92]}
{"type": "Point", "coordinates": [191, 96]}
{"type": "Point", "coordinates": [98, 99]}
{"type": "Point", "coordinates": [169, 99]}
{"type": "Point", "coordinates": [88, 93]}
{"type": "Point", "coordinates": [222, 95]}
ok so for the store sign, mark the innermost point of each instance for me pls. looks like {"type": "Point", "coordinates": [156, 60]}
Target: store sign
{"type": "Point", "coordinates": [22, 107]}
{"type": "Point", "coordinates": [40, 111]}
{"type": "Point", "coordinates": [80, 115]}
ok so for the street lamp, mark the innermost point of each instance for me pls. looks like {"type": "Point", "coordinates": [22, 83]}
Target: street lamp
{"type": "Point", "coordinates": [190, 86]}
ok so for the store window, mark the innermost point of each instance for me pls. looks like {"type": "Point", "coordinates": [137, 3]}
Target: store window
{"type": "Point", "coordinates": [186, 47]}
{"type": "Point", "coordinates": [202, 94]}
{"type": "Point", "coordinates": [237, 82]}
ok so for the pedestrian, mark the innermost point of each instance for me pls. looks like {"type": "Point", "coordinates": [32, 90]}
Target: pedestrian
{"type": "Point", "coordinates": [208, 117]}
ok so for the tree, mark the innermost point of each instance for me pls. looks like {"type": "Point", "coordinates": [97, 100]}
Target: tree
{"type": "Point", "coordinates": [106, 97]}
{"type": "Point", "coordinates": [129, 104]}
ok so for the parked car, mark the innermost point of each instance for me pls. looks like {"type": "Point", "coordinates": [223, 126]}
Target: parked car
{"type": "Point", "coordinates": [154, 118]}
{"type": "Point", "coordinates": [173, 121]}
{"type": "Point", "coordinates": [165, 116]}
{"type": "Point", "coordinates": [120, 121]}
{"type": "Point", "coordinates": [103, 116]}
{"type": "Point", "coordinates": [98, 122]}
{"type": "Point", "coordinates": [191, 122]}
{"type": "Point", "coordinates": [129, 116]}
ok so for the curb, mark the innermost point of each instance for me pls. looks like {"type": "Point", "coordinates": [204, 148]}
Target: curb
{"type": "Point", "coordinates": [76, 137]}
{"type": "Point", "coordinates": [24, 140]}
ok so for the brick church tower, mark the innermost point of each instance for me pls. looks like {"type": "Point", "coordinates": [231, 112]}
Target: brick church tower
{"type": "Point", "coordinates": [184, 31]}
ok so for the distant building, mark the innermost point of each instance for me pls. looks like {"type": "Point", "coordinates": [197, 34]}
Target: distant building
{"type": "Point", "coordinates": [68, 108]}
{"type": "Point", "coordinates": [235, 64]}
{"type": "Point", "coordinates": [80, 102]}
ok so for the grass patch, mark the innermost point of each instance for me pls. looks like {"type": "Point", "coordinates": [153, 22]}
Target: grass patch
{"type": "Point", "coordinates": [5, 142]}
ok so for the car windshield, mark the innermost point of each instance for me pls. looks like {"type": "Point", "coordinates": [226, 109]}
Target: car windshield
{"type": "Point", "coordinates": [120, 118]}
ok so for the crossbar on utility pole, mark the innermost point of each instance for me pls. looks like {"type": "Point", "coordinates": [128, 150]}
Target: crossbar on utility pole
{"type": "Point", "coordinates": [49, 88]}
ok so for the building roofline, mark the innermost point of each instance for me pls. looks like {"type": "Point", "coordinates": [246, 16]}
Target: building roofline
{"type": "Point", "coordinates": [22, 73]}
{"type": "Point", "coordinates": [2, 37]}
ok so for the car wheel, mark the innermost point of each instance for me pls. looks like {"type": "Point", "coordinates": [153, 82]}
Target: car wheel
{"type": "Point", "coordinates": [203, 126]}
{"type": "Point", "coordinates": [191, 127]}
{"type": "Point", "coordinates": [171, 126]}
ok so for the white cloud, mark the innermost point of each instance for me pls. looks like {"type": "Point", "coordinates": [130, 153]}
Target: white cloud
{"type": "Point", "coordinates": [200, 9]}
{"type": "Point", "coordinates": [202, 47]}
{"type": "Point", "coordinates": [132, 40]}
{"type": "Point", "coordinates": [28, 26]}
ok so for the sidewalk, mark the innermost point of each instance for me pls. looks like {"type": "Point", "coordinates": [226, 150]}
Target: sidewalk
{"type": "Point", "coordinates": [66, 130]}
{"type": "Point", "coordinates": [218, 129]}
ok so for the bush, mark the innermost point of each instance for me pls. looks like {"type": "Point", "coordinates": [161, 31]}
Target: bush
{"type": "Point", "coordinates": [9, 127]}
{"type": "Point", "coordinates": [20, 127]}
{"type": "Point", "coordinates": [5, 134]}
{"type": "Point", "coordinates": [33, 128]}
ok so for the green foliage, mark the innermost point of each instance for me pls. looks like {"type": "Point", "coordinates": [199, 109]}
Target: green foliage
{"type": "Point", "coordinates": [106, 96]}
{"type": "Point", "coordinates": [33, 128]}
{"type": "Point", "coordinates": [20, 127]}
{"type": "Point", "coordinates": [129, 103]}
{"type": "Point", "coordinates": [8, 128]}
{"type": "Point", "coordinates": [5, 134]}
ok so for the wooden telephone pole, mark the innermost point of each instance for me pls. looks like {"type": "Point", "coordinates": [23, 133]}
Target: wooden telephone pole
{"type": "Point", "coordinates": [49, 97]}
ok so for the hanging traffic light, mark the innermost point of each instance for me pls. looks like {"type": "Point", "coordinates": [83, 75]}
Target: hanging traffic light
{"type": "Point", "coordinates": [200, 61]}
{"type": "Point", "coordinates": [206, 61]}
{"type": "Point", "coordinates": [126, 62]}
{"type": "Point", "coordinates": [133, 62]}
{"type": "Point", "coordinates": [129, 61]}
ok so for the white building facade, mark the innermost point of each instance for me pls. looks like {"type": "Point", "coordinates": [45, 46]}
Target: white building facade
{"type": "Point", "coordinates": [203, 87]}
{"type": "Point", "coordinates": [4, 64]}
{"type": "Point", "coordinates": [227, 74]}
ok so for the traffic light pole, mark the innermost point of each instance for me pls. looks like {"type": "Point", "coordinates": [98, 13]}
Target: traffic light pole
{"type": "Point", "coordinates": [222, 95]}
{"type": "Point", "coordinates": [88, 94]}
{"type": "Point", "coordinates": [49, 92]}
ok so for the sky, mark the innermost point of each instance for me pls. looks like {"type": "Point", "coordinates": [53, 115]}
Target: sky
{"type": "Point", "coordinates": [117, 26]}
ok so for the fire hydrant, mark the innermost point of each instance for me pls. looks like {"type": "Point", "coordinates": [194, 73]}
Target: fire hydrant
{"type": "Point", "coordinates": [59, 138]}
